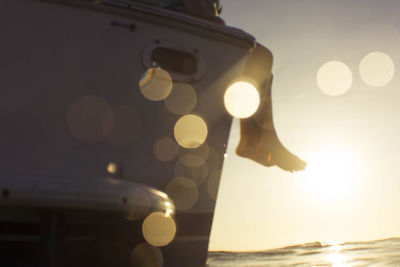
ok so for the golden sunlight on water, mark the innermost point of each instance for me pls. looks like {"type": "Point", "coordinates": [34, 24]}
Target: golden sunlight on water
{"type": "Point", "coordinates": [159, 229]}
{"type": "Point", "coordinates": [334, 78]}
{"type": "Point", "coordinates": [190, 131]}
{"type": "Point", "coordinates": [241, 99]}
{"type": "Point", "coordinates": [377, 69]}
{"type": "Point", "coordinates": [155, 84]}
{"type": "Point", "coordinates": [337, 259]}
{"type": "Point", "coordinates": [182, 99]}
{"type": "Point", "coordinates": [332, 173]}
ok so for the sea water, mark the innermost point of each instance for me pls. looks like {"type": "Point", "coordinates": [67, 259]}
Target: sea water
{"type": "Point", "coordinates": [373, 253]}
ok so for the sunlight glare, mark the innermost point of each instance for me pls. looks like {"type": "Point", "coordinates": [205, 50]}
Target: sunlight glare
{"type": "Point", "coordinates": [241, 99]}
{"type": "Point", "coordinates": [331, 173]}
{"type": "Point", "coordinates": [334, 78]}
{"type": "Point", "coordinates": [337, 260]}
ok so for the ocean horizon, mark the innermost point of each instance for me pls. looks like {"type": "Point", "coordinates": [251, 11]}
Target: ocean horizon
{"type": "Point", "coordinates": [385, 252]}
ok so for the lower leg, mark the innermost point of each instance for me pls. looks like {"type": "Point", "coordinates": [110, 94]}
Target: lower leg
{"type": "Point", "coordinates": [259, 140]}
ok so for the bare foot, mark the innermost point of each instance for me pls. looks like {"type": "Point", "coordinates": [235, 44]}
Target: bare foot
{"type": "Point", "coordinates": [263, 146]}
{"type": "Point", "coordinates": [271, 151]}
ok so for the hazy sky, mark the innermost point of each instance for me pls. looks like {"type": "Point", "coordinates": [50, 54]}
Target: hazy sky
{"type": "Point", "coordinates": [351, 190]}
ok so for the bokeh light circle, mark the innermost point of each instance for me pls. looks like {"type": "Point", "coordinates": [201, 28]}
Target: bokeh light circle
{"type": "Point", "coordinates": [197, 174]}
{"type": "Point", "coordinates": [158, 229]}
{"type": "Point", "coordinates": [377, 69]}
{"type": "Point", "coordinates": [190, 131]}
{"type": "Point", "coordinates": [155, 84]}
{"type": "Point", "coordinates": [112, 168]}
{"type": "Point", "coordinates": [183, 192]}
{"type": "Point", "coordinates": [89, 119]}
{"type": "Point", "coordinates": [145, 255]}
{"type": "Point", "coordinates": [334, 78]}
{"type": "Point", "coordinates": [165, 149]}
{"type": "Point", "coordinates": [241, 99]}
{"type": "Point", "coordinates": [194, 157]}
{"type": "Point", "coordinates": [182, 99]}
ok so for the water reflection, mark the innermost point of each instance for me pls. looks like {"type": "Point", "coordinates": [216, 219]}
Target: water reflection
{"type": "Point", "coordinates": [337, 259]}
{"type": "Point", "coordinates": [376, 253]}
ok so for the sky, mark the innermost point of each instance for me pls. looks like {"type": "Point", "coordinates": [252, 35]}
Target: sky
{"type": "Point", "coordinates": [350, 190]}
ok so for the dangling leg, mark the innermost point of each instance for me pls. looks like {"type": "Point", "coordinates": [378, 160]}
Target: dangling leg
{"type": "Point", "coordinates": [258, 138]}
{"type": "Point", "coordinates": [269, 146]}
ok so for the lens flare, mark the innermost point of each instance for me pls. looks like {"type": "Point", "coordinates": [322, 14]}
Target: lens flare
{"type": "Point", "coordinates": [155, 84]}
{"type": "Point", "coordinates": [334, 78]}
{"type": "Point", "coordinates": [112, 168]}
{"type": "Point", "coordinates": [377, 69]}
{"type": "Point", "coordinates": [197, 174]}
{"type": "Point", "coordinates": [145, 255]}
{"type": "Point", "coordinates": [165, 149]}
{"type": "Point", "coordinates": [194, 157]}
{"type": "Point", "coordinates": [89, 119]}
{"type": "Point", "coordinates": [183, 192]}
{"type": "Point", "coordinates": [190, 131]}
{"type": "Point", "coordinates": [182, 99]}
{"type": "Point", "coordinates": [241, 99]}
{"type": "Point", "coordinates": [159, 229]}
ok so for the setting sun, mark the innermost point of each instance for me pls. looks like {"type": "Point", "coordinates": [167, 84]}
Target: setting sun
{"type": "Point", "coordinates": [331, 173]}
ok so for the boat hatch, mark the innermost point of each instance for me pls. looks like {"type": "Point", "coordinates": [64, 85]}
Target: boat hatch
{"type": "Point", "coordinates": [182, 62]}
